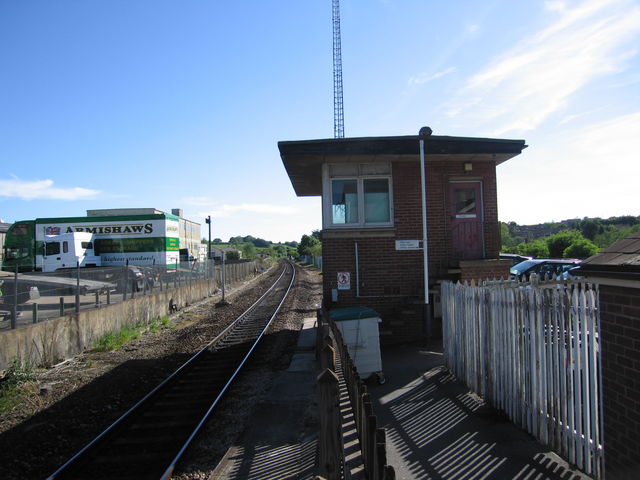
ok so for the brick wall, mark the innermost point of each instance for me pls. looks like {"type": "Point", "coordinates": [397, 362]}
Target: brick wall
{"type": "Point", "coordinates": [391, 281]}
{"type": "Point", "coordinates": [620, 324]}
{"type": "Point", "coordinates": [484, 269]}
{"type": "Point", "coordinates": [408, 207]}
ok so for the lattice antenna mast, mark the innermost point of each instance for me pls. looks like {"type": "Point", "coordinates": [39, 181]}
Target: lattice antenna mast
{"type": "Point", "coordinates": [338, 110]}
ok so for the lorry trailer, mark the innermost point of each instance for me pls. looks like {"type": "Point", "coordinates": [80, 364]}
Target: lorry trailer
{"type": "Point", "coordinates": [110, 240]}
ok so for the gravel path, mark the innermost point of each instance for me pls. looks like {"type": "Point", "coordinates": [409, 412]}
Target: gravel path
{"type": "Point", "coordinates": [70, 404]}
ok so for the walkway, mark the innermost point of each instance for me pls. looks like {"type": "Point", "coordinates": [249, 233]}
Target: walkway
{"type": "Point", "coordinates": [281, 441]}
{"type": "Point", "coordinates": [436, 429]}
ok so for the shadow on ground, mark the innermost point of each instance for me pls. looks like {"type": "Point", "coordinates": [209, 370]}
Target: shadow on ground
{"type": "Point", "coordinates": [437, 429]}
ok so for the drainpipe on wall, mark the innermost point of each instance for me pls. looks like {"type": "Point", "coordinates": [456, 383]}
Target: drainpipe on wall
{"type": "Point", "coordinates": [425, 132]}
{"type": "Point", "coordinates": [357, 273]}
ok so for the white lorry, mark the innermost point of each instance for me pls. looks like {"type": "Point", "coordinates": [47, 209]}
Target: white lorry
{"type": "Point", "coordinates": [67, 250]}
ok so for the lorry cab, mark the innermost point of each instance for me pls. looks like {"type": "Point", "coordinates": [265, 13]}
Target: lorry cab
{"type": "Point", "coordinates": [67, 250]}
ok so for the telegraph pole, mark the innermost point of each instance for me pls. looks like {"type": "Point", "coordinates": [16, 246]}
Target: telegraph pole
{"type": "Point", "coordinates": [208, 221]}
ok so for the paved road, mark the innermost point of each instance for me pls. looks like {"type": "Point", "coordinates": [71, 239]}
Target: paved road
{"type": "Point", "coordinates": [49, 303]}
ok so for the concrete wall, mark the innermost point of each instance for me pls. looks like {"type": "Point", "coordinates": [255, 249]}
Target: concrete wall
{"type": "Point", "coordinates": [54, 340]}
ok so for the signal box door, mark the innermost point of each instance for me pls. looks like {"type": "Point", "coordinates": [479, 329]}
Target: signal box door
{"type": "Point", "coordinates": [465, 207]}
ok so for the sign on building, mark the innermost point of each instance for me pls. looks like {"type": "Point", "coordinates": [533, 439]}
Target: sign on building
{"type": "Point", "coordinates": [344, 281]}
{"type": "Point", "coordinates": [408, 245]}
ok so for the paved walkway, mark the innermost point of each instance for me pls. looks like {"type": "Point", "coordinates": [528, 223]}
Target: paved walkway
{"type": "Point", "coordinates": [281, 441]}
{"type": "Point", "coordinates": [436, 429]}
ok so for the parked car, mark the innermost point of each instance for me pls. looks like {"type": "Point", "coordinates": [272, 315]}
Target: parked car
{"type": "Point", "coordinates": [151, 276]}
{"type": "Point", "coordinates": [558, 268]}
{"type": "Point", "coordinates": [132, 279]}
{"type": "Point", "coordinates": [514, 257]}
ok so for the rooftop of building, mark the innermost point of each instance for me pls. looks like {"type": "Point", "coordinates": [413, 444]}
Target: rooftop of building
{"type": "Point", "coordinates": [623, 253]}
{"type": "Point", "coordinates": [303, 159]}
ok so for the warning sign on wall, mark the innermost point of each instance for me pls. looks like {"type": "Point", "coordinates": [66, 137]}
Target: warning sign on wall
{"type": "Point", "coordinates": [344, 281]}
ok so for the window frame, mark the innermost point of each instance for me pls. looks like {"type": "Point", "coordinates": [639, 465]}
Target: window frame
{"type": "Point", "coordinates": [49, 251]}
{"type": "Point", "coordinates": [327, 195]}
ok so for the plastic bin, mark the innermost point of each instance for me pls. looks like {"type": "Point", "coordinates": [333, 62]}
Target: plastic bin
{"type": "Point", "coordinates": [359, 329]}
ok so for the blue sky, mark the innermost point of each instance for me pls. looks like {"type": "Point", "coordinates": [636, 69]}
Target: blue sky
{"type": "Point", "coordinates": [165, 104]}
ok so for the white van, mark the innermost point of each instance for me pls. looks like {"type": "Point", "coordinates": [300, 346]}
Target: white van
{"type": "Point", "coordinates": [66, 250]}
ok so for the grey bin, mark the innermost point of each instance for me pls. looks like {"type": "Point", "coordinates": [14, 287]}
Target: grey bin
{"type": "Point", "coordinates": [359, 329]}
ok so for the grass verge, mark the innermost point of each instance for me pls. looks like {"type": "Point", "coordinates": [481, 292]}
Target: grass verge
{"type": "Point", "coordinates": [16, 381]}
{"type": "Point", "coordinates": [113, 341]}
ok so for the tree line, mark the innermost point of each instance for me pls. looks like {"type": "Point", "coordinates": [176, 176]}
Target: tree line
{"type": "Point", "coordinates": [251, 247]}
{"type": "Point", "coordinates": [576, 238]}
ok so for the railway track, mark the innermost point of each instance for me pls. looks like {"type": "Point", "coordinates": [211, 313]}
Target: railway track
{"type": "Point", "coordinates": [150, 438]}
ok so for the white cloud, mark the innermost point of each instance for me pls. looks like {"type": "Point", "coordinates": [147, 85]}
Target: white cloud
{"type": "Point", "coordinates": [276, 223]}
{"type": "Point", "coordinates": [588, 172]}
{"type": "Point", "coordinates": [524, 86]}
{"type": "Point", "coordinates": [42, 189]}
{"type": "Point", "coordinates": [472, 29]}
{"type": "Point", "coordinates": [198, 201]}
{"type": "Point", "coordinates": [612, 141]}
{"type": "Point", "coordinates": [226, 210]}
{"type": "Point", "coordinates": [423, 78]}
{"type": "Point", "coordinates": [555, 6]}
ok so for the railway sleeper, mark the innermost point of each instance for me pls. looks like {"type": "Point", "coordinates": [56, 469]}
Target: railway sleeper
{"type": "Point", "coordinates": [210, 372]}
{"type": "Point", "coordinates": [132, 463]}
{"type": "Point", "coordinates": [198, 386]}
{"type": "Point", "coordinates": [163, 412]}
{"type": "Point", "coordinates": [188, 396]}
{"type": "Point", "coordinates": [165, 438]}
{"type": "Point", "coordinates": [185, 404]}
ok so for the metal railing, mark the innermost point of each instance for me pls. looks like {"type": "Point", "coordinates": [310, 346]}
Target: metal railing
{"type": "Point", "coordinates": [338, 368]}
{"type": "Point", "coordinates": [33, 297]}
{"type": "Point", "coordinates": [311, 260]}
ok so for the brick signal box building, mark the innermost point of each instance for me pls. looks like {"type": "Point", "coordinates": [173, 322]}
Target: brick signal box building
{"type": "Point", "coordinates": [372, 219]}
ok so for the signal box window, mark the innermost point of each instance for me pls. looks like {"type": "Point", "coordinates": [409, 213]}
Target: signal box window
{"type": "Point", "coordinates": [344, 204]}
{"type": "Point", "coordinates": [466, 202]}
{"type": "Point", "coordinates": [358, 195]}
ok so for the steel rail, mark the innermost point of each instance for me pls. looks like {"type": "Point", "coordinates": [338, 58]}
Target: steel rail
{"type": "Point", "coordinates": [169, 471]}
{"type": "Point", "coordinates": [238, 323]}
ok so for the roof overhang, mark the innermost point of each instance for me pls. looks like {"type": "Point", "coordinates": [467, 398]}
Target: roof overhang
{"type": "Point", "coordinates": [303, 159]}
{"type": "Point", "coordinates": [597, 273]}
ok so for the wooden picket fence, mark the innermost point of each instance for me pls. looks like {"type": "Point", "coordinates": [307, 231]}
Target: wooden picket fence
{"type": "Point", "coordinates": [336, 364]}
{"type": "Point", "coordinates": [532, 350]}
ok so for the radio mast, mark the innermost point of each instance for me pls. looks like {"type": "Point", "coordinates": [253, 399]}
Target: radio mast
{"type": "Point", "coordinates": [338, 111]}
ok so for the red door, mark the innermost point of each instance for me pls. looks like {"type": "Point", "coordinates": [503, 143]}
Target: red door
{"type": "Point", "coordinates": [465, 206]}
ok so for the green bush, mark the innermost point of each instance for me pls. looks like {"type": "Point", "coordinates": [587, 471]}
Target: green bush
{"type": "Point", "coordinates": [112, 341]}
{"type": "Point", "coordinates": [12, 385]}
{"type": "Point", "coordinates": [248, 251]}
{"type": "Point", "coordinates": [536, 249]}
{"type": "Point", "coordinates": [166, 323]}
{"type": "Point", "coordinates": [559, 242]}
{"type": "Point", "coordinates": [107, 343]}
{"type": "Point", "coordinates": [581, 248]}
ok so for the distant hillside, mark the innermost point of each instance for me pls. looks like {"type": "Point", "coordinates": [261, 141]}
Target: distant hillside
{"type": "Point", "coordinates": [589, 227]}
{"type": "Point", "coordinates": [599, 232]}
{"type": "Point", "coordinates": [251, 246]}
